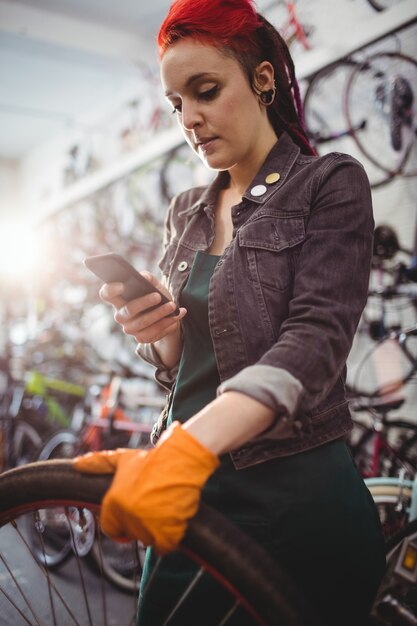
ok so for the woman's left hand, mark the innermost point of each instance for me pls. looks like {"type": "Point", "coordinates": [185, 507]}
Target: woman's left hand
{"type": "Point", "coordinates": [154, 493]}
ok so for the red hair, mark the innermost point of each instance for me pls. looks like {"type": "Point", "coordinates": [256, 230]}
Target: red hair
{"type": "Point", "coordinates": [235, 26]}
{"type": "Point", "coordinates": [200, 19]}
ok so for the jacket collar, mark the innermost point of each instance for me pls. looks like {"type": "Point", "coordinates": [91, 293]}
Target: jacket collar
{"type": "Point", "coordinates": [274, 170]}
{"type": "Point", "coordinates": [278, 163]}
{"type": "Point", "coordinates": [208, 195]}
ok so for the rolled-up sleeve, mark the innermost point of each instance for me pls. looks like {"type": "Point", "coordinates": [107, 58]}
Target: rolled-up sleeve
{"type": "Point", "coordinates": [165, 377]}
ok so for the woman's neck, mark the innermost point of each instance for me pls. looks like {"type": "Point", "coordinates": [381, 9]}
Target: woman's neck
{"type": "Point", "coordinates": [242, 174]}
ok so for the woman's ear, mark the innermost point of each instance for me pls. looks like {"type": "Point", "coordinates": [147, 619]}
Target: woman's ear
{"type": "Point", "coordinates": [264, 76]}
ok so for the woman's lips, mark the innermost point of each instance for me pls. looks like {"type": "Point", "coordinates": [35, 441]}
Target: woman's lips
{"type": "Point", "coordinates": [206, 143]}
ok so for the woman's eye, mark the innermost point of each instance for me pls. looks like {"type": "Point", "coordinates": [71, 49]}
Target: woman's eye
{"type": "Point", "coordinates": [209, 94]}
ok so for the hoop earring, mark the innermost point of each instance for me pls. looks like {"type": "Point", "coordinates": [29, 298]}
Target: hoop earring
{"type": "Point", "coordinates": [267, 97]}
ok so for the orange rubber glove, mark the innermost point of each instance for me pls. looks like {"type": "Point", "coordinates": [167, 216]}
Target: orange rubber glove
{"type": "Point", "coordinates": [154, 492]}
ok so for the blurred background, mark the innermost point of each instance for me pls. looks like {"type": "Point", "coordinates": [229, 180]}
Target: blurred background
{"type": "Point", "coordinates": [90, 157]}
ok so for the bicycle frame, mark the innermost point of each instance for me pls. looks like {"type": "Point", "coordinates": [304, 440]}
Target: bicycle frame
{"type": "Point", "coordinates": [38, 384]}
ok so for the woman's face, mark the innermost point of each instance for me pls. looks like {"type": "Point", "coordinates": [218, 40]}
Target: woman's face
{"type": "Point", "coordinates": [220, 115]}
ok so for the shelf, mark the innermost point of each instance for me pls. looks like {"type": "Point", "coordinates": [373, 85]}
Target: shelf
{"type": "Point", "coordinates": [155, 147]}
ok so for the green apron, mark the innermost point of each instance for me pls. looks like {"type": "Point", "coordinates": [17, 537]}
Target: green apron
{"type": "Point", "coordinates": [311, 511]}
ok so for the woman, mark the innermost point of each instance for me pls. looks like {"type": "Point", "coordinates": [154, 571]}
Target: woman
{"type": "Point", "coordinates": [270, 266]}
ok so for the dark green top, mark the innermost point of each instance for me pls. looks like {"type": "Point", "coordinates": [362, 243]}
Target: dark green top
{"type": "Point", "coordinates": [197, 378]}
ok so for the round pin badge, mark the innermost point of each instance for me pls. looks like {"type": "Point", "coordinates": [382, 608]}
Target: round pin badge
{"type": "Point", "coordinates": [272, 178]}
{"type": "Point", "coordinates": [258, 190]}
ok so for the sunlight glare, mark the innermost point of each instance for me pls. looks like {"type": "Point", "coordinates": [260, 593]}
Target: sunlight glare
{"type": "Point", "coordinates": [19, 249]}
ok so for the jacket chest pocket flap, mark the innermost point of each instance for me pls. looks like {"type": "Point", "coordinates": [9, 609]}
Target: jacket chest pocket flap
{"type": "Point", "coordinates": [269, 242]}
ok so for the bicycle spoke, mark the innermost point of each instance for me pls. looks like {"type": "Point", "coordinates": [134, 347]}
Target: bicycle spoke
{"type": "Point", "coordinates": [80, 572]}
{"type": "Point", "coordinates": [230, 613]}
{"type": "Point", "coordinates": [185, 595]}
{"type": "Point", "coordinates": [46, 575]}
{"type": "Point", "coordinates": [14, 605]}
{"type": "Point", "coordinates": [152, 576]}
{"type": "Point", "coordinates": [19, 588]}
{"type": "Point", "coordinates": [39, 531]}
{"type": "Point", "coordinates": [103, 593]}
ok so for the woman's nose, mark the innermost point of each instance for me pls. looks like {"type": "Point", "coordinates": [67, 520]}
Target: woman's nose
{"type": "Point", "coordinates": [190, 116]}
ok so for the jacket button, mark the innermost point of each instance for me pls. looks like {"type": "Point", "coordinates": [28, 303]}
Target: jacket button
{"type": "Point", "coordinates": [182, 266]}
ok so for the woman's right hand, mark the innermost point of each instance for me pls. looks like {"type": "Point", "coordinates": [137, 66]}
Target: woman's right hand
{"type": "Point", "coordinates": [145, 326]}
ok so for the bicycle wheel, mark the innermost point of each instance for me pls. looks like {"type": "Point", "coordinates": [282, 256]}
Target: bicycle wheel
{"type": "Point", "coordinates": [50, 534]}
{"type": "Point", "coordinates": [26, 440]}
{"type": "Point", "coordinates": [380, 94]}
{"type": "Point", "coordinates": [392, 500]}
{"type": "Point", "coordinates": [243, 568]}
{"type": "Point", "coordinates": [326, 122]}
{"type": "Point", "coordinates": [61, 445]}
{"type": "Point", "coordinates": [322, 94]}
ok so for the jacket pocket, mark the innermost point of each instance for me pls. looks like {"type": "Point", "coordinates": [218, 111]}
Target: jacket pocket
{"type": "Point", "coordinates": [269, 243]}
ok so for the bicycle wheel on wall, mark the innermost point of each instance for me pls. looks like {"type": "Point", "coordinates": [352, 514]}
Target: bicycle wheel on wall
{"type": "Point", "coordinates": [326, 123]}
{"type": "Point", "coordinates": [380, 97]}
{"type": "Point", "coordinates": [255, 581]}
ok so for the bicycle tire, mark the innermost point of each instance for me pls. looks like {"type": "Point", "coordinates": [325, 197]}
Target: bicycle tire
{"type": "Point", "coordinates": [226, 552]}
{"type": "Point", "coordinates": [392, 148]}
{"type": "Point", "coordinates": [26, 440]}
{"type": "Point", "coordinates": [325, 118]}
{"type": "Point", "coordinates": [322, 128]}
{"type": "Point", "coordinates": [62, 444]}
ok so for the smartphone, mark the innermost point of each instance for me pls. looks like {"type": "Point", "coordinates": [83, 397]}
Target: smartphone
{"type": "Point", "coordinates": [113, 268]}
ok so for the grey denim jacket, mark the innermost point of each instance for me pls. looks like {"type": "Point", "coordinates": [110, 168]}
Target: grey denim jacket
{"type": "Point", "coordinates": [287, 294]}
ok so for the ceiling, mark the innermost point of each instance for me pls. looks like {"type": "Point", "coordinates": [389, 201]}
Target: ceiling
{"type": "Point", "coordinates": [60, 58]}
